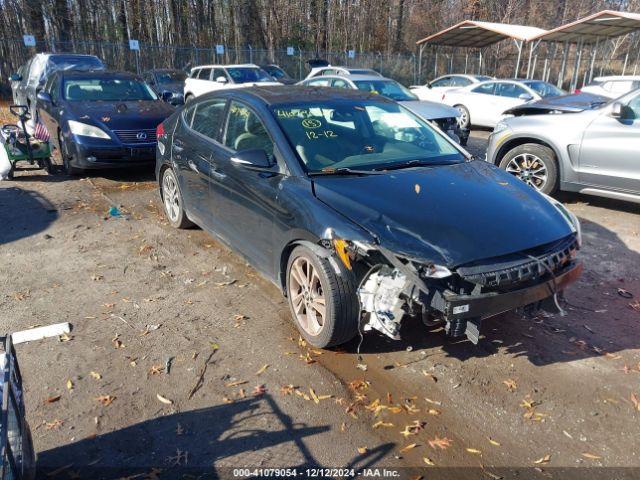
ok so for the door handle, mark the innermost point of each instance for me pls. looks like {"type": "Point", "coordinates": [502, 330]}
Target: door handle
{"type": "Point", "coordinates": [177, 146]}
{"type": "Point", "coordinates": [217, 174]}
{"type": "Point", "coordinates": [193, 166]}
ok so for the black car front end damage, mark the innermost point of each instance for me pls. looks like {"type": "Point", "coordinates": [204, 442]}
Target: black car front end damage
{"type": "Point", "coordinates": [393, 286]}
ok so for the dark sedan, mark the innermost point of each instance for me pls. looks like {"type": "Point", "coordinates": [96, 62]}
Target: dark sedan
{"type": "Point", "coordinates": [361, 212]}
{"type": "Point", "coordinates": [101, 119]}
{"type": "Point", "coordinates": [278, 73]}
{"type": "Point", "coordinates": [167, 83]}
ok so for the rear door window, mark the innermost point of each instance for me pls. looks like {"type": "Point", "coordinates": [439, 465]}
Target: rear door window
{"type": "Point", "coordinates": [460, 82]}
{"type": "Point", "coordinates": [217, 73]}
{"type": "Point", "coordinates": [510, 90]}
{"type": "Point", "coordinates": [320, 82]}
{"type": "Point", "coordinates": [204, 74]}
{"type": "Point", "coordinates": [208, 117]}
{"type": "Point", "coordinates": [245, 130]}
{"type": "Point", "coordinates": [442, 82]}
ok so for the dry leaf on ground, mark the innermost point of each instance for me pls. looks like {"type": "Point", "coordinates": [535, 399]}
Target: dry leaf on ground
{"type": "Point", "coordinates": [106, 400]}
{"type": "Point", "coordinates": [543, 460]}
{"type": "Point", "coordinates": [441, 443]}
{"type": "Point", "coordinates": [164, 399]}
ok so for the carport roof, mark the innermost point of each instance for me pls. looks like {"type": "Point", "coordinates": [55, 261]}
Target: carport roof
{"type": "Point", "coordinates": [476, 34]}
{"type": "Point", "coordinates": [604, 24]}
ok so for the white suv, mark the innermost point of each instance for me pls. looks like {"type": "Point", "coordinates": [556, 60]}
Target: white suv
{"type": "Point", "coordinates": [612, 87]}
{"type": "Point", "coordinates": [207, 78]}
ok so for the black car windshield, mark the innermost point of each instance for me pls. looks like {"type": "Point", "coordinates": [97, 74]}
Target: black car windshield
{"type": "Point", "coordinates": [387, 88]}
{"type": "Point", "coordinates": [362, 135]}
{"type": "Point", "coordinates": [545, 89]}
{"type": "Point", "coordinates": [170, 77]}
{"type": "Point", "coordinates": [248, 75]}
{"type": "Point", "coordinates": [275, 72]}
{"type": "Point", "coordinates": [107, 90]}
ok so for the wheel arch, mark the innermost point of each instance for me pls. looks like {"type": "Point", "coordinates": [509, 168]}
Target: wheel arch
{"type": "Point", "coordinates": [315, 247]}
{"type": "Point", "coordinates": [516, 142]}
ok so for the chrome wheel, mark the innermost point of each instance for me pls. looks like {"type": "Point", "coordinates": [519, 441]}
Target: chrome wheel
{"type": "Point", "coordinates": [171, 196]}
{"type": "Point", "coordinates": [530, 169]}
{"type": "Point", "coordinates": [307, 296]}
{"type": "Point", "coordinates": [463, 119]}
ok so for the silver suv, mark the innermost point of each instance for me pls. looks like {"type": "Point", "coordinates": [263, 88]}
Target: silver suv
{"type": "Point", "coordinates": [31, 77]}
{"type": "Point", "coordinates": [595, 151]}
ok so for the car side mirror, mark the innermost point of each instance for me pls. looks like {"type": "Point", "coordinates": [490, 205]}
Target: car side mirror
{"type": "Point", "coordinates": [16, 77]}
{"type": "Point", "coordinates": [221, 79]}
{"type": "Point", "coordinates": [44, 97]}
{"type": "Point", "coordinates": [254, 159]}
{"type": "Point", "coordinates": [525, 96]}
{"type": "Point", "coordinates": [429, 85]}
{"type": "Point", "coordinates": [616, 110]}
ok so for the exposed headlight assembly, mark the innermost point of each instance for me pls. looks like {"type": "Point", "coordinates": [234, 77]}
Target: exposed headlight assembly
{"type": "Point", "coordinates": [500, 127]}
{"type": "Point", "coordinates": [569, 217]}
{"type": "Point", "coordinates": [86, 130]}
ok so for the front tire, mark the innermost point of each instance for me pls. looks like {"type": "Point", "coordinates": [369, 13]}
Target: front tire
{"type": "Point", "coordinates": [534, 164]}
{"type": "Point", "coordinates": [323, 303]}
{"type": "Point", "coordinates": [189, 98]}
{"type": "Point", "coordinates": [172, 200]}
{"type": "Point", "coordinates": [465, 117]}
{"type": "Point", "coordinates": [66, 159]}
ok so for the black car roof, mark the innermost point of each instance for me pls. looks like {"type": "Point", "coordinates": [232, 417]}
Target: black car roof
{"type": "Point", "coordinates": [158, 70]}
{"type": "Point", "coordinates": [274, 95]}
{"type": "Point", "coordinates": [96, 74]}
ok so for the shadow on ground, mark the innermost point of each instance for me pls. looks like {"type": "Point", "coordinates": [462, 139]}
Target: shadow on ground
{"type": "Point", "coordinates": [205, 443]}
{"type": "Point", "coordinates": [23, 213]}
{"type": "Point", "coordinates": [598, 320]}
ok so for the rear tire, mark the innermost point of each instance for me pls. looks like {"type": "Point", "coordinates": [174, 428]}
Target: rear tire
{"type": "Point", "coordinates": [534, 164]}
{"type": "Point", "coordinates": [172, 200]}
{"type": "Point", "coordinates": [465, 117]}
{"type": "Point", "coordinates": [188, 98]}
{"type": "Point", "coordinates": [323, 303]}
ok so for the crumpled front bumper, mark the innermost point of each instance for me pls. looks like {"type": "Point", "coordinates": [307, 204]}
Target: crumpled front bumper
{"type": "Point", "coordinates": [485, 305]}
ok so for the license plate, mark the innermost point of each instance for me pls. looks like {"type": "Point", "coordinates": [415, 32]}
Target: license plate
{"type": "Point", "coordinates": [144, 152]}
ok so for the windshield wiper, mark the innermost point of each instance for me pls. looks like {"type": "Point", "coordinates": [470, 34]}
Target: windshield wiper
{"type": "Point", "coordinates": [343, 171]}
{"type": "Point", "coordinates": [414, 163]}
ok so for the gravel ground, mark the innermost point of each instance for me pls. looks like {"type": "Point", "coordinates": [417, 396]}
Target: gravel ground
{"type": "Point", "coordinates": [183, 359]}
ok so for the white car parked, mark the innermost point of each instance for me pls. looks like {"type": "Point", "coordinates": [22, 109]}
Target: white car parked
{"type": "Point", "coordinates": [446, 117]}
{"type": "Point", "coordinates": [207, 78]}
{"type": "Point", "coordinates": [612, 87]}
{"type": "Point", "coordinates": [334, 70]}
{"type": "Point", "coordinates": [483, 104]}
{"type": "Point", "coordinates": [434, 89]}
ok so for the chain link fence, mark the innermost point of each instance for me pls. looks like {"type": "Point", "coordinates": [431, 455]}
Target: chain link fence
{"type": "Point", "coordinates": [408, 69]}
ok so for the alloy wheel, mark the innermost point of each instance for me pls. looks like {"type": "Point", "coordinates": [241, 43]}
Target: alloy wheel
{"type": "Point", "coordinates": [307, 296]}
{"type": "Point", "coordinates": [171, 196]}
{"type": "Point", "coordinates": [530, 169]}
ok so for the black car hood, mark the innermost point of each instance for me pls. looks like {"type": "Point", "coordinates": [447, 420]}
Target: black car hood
{"type": "Point", "coordinates": [123, 115]}
{"type": "Point", "coordinates": [573, 103]}
{"type": "Point", "coordinates": [450, 215]}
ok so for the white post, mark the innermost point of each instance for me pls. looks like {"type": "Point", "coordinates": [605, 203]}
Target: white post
{"type": "Point", "coordinates": [563, 65]}
{"type": "Point", "coordinates": [594, 53]}
{"type": "Point", "coordinates": [519, 46]}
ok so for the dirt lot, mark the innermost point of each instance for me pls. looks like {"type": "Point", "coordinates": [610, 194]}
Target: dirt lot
{"type": "Point", "coordinates": [183, 360]}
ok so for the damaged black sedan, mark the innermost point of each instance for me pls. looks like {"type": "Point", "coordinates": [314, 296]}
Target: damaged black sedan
{"type": "Point", "coordinates": [364, 215]}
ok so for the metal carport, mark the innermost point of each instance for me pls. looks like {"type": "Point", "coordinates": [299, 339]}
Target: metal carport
{"type": "Point", "coordinates": [477, 34]}
{"type": "Point", "coordinates": [591, 30]}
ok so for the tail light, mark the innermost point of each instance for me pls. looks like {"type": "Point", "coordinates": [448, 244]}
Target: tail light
{"type": "Point", "coordinates": [159, 130]}
{"type": "Point", "coordinates": [577, 90]}
{"type": "Point", "coordinates": [442, 97]}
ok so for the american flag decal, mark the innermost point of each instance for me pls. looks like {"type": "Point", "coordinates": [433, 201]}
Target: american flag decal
{"type": "Point", "coordinates": [41, 132]}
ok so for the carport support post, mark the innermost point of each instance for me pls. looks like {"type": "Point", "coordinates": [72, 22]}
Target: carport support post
{"type": "Point", "coordinates": [532, 47]}
{"type": "Point", "coordinates": [480, 62]}
{"type": "Point", "coordinates": [466, 61]}
{"type": "Point", "coordinates": [594, 53]}
{"type": "Point", "coordinates": [435, 66]}
{"type": "Point", "coordinates": [563, 65]}
{"type": "Point", "coordinates": [420, 50]}
{"type": "Point", "coordinates": [519, 47]}
{"type": "Point", "coordinates": [576, 70]}
{"type": "Point", "coordinates": [626, 59]}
